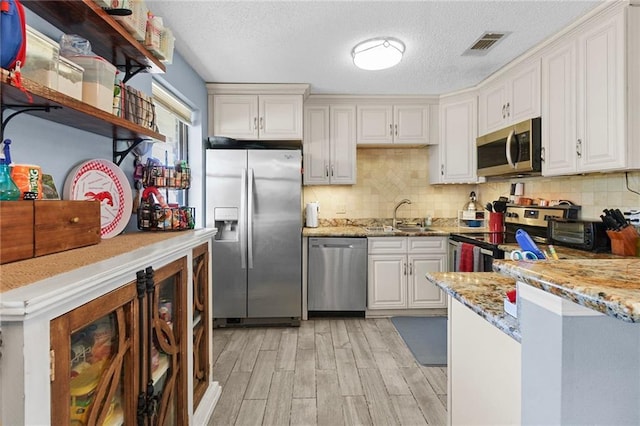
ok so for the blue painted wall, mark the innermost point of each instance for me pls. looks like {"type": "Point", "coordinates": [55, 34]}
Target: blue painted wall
{"type": "Point", "coordinates": [57, 149]}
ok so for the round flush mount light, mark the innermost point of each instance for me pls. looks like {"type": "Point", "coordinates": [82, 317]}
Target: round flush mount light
{"type": "Point", "coordinates": [378, 53]}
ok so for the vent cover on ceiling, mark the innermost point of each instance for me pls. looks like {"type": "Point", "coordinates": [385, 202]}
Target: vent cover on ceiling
{"type": "Point", "coordinates": [485, 43]}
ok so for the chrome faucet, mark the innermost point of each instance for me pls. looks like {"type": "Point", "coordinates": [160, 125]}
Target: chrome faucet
{"type": "Point", "coordinates": [395, 211]}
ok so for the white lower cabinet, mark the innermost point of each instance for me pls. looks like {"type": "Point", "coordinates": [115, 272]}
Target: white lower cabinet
{"type": "Point", "coordinates": [397, 268]}
{"type": "Point", "coordinates": [483, 368]}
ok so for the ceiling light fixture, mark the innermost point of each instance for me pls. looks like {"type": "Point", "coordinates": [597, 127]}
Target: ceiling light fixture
{"type": "Point", "coordinates": [378, 53]}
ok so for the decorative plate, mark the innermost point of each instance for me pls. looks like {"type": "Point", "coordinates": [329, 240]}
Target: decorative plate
{"type": "Point", "coordinates": [104, 181]}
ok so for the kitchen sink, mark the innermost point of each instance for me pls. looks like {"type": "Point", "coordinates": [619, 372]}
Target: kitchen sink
{"type": "Point", "coordinates": [379, 229]}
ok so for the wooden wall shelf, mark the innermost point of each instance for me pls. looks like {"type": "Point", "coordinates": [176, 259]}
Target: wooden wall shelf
{"type": "Point", "coordinates": [74, 113]}
{"type": "Point", "coordinates": [108, 38]}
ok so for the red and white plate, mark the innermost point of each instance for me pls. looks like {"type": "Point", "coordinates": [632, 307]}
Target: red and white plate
{"type": "Point", "coordinates": [102, 180]}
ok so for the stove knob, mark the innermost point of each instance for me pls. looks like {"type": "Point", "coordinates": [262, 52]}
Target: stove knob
{"type": "Point", "coordinates": [514, 215]}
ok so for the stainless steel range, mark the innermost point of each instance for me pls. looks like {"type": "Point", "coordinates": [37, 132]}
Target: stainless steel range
{"type": "Point", "coordinates": [532, 219]}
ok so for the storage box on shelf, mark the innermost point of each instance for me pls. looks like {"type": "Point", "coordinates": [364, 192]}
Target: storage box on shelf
{"type": "Point", "coordinates": [70, 77]}
{"type": "Point", "coordinates": [97, 84]}
{"type": "Point", "coordinates": [136, 23]}
{"type": "Point", "coordinates": [41, 62]}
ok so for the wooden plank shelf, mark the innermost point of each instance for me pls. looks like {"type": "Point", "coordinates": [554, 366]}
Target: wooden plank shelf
{"type": "Point", "coordinates": [74, 113]}
{"type": "Point", "coordinates": [108, 38]}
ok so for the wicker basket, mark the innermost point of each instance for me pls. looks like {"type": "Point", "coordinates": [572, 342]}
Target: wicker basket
{"type": "Point", "coordinates": [136, 23]}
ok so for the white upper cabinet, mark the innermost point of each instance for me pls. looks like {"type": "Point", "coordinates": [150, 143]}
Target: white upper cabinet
{"type": "Point", "coordinates": [393, 124]}
{"type": "Point", "coordinates": [256, 112]}
{"type": "Point", "coordinates": [453, 160]}
{"type": "Point", "coordinates": [329, 145]}
{"type": "Point", "coordinates": [585, 101]}
{"type": "Point", "coordinates": [510, 98]}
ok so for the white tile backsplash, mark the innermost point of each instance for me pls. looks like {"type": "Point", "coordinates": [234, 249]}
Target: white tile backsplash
{"type": "Point", "coordinates": [386, 176]}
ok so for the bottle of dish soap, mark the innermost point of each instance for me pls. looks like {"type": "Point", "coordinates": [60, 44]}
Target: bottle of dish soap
{"type": "Point", "coordinates": [8, 189]}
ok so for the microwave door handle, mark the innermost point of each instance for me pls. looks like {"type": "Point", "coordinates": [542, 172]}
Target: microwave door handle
{"type": "Point", "coordinates": [510, 139]}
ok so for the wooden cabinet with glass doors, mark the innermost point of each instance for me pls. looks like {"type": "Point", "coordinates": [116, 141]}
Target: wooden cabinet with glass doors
{"type": "Point", "coordinates": [121, 358]}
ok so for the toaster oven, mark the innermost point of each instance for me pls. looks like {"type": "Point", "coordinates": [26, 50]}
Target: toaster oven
{"type": "Point", "coordinates": [579, 234]}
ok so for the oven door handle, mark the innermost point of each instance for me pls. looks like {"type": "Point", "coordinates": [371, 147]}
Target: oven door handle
{"type": "Point", "coordinates": [510, 139]}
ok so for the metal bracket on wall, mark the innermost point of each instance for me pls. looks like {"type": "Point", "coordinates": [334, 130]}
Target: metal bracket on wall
{"type": "Point", "coordinates": [118, 156]}
{"type": "Point", "coordinates": [131, 70]}
{"type": "Point", "coordinates": [19, 109]}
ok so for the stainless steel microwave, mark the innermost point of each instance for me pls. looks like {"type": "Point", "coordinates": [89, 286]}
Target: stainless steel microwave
{"type": "Point", "coordinates": [512, 151]}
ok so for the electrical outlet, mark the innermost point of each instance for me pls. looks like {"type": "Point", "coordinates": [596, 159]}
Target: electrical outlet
{"type": "Point", "coordinates": [633, 216]}
{"type": "Point", "coordinates": [341, 209]}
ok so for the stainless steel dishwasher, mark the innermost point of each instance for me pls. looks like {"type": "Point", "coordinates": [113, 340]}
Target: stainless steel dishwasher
{"type": "Point", "coordinates": [337, 275]}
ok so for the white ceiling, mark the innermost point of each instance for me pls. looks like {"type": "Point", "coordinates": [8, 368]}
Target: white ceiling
{"type": "Point", "coordinates": [311, 41]}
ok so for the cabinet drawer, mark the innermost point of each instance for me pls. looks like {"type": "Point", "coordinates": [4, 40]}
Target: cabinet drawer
{"type": "Point", "coordinates": [427, 244]}
{"type": "Point", "coordinates": [16, 231]}
{"type": "Point", "coordinates": [64, 225]}
{"type": "Point", "coordinates": [387, 245]}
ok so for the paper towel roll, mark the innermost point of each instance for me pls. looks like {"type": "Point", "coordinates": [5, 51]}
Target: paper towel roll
{"type": "Point", "coordinates": [312, 214]}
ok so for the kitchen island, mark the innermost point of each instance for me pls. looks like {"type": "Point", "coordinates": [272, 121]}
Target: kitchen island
{"type": "Point", "coordinates": [578, 324]}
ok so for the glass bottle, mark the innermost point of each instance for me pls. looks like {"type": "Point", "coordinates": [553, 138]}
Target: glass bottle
{"type": "Point", "coordinates": [8, 189]}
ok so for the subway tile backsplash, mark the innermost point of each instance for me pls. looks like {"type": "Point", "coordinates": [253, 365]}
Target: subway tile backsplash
{"type": "Point", "coordinates": [386, 176]}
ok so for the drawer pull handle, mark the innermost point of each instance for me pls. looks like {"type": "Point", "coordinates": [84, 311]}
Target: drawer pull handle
{"type": "Point", "coordinates": [75, 219]}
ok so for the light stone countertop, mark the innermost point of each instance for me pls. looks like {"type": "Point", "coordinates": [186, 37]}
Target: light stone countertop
{"type": "Point", "coordinates": [483, 293]}
{"type": "Point", "coordinates": [610, 286]}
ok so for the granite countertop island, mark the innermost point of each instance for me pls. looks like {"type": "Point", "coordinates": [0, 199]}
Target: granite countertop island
{"type": "Point", "coordinates": [609, 286]}
{"type": "Point", "coordinates": [483, 293]}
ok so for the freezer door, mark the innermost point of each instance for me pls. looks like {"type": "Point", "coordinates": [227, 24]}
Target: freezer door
{"type": "Point", "coordinates": [274, 230]}
{"type": "Point", "coordinates": [226, 189]}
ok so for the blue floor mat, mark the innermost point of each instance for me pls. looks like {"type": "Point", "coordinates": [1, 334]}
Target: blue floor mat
{"type": "Point", "coordinates": [426, 337]}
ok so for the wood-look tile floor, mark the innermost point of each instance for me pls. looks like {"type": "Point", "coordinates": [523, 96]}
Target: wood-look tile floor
{"type": "Point", "coordinates": [325, 372]}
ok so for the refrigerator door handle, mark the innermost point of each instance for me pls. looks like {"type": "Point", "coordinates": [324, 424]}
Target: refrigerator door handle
{"type": "Point", "coordinates": [250, 219]}
{"type": "Point", "coordinates": [243, 222]}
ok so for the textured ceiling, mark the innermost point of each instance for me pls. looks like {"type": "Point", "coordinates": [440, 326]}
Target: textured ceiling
{"type": "Point", "coordinates": [310, 41]}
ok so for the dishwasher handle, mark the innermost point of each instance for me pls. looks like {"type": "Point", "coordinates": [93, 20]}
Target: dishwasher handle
{"type": "Point", "coordinates": [329, 245]}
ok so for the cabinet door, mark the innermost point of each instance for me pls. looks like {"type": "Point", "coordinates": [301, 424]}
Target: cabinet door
{"type": "Point", "coordinates": [492, 108]}
{"type": "Point", "coordinates": [280, 117]}
{"type": "Point", "coordinates": [422, 293]}
{"type": "Point", "coordinates": [559, 111]}
{"type": "Point", "coordinates": [411, 124]}
{"type": "Point", "coordinates": [387, 281]}
{"type": "Point", "coordinates": [235, 116]}
{"type": "Point", "coordinates": [602, 97]}
{"type": "Point", "coordinates": [95, 351]}
{"type": "Point", "coordinates": [166, 365]}
{"type": "Point", "coordinates": [316, 145]}
{"type": "Point", "coordinates": [343, 144]}
{"type": "Point", "coordinates": [524, 94]}
{"type": "Point", "coordinates": [201, 323]}
{"type": "Point", "coordinates": [375, 124]}
{"type": "Point", "coordinates": [458, 141]}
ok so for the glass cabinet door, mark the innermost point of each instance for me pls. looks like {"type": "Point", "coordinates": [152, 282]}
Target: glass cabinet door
{"type": "Point", "coordinates": [166, 365]}
{"type": "Point", "coordinates": [200, 323]}
{"type": "Point", "coordinates": [92, 351]}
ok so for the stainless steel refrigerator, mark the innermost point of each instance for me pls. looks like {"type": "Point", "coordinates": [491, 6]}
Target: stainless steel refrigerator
{"type": "Point", "coordinates": [253, 197]}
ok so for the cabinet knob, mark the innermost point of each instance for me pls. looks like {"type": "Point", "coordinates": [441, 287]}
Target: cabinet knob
{"type": "Point", "coordinates": [326, 171]}
{"type": "Point", "coordinates": [542, 154]}
{"type": "Point", "coordinates": [261, 123]}
{"type": "Point", "coordinates": [255, 123]}
{"type": "Point", "coordinates": [411, 269]}
{"type": "Point", "coordinates": [504, 115]}
{"type": "Point", "coordinates": [508, 109]}
{"type": "Point", "coordinates": [390, 129]}
{"type": "Point", "coordinates": [396, 126]}
{"type": "Point", "coordinates": [442, 169]}
{"type": "Point", "coordinates": [75, 219]}
{"type": "Point", "coordinates": [404, 268]}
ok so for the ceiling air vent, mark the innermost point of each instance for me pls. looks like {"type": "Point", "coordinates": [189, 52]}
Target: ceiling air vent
{"type": "Point", "coordinates": [485, 43]}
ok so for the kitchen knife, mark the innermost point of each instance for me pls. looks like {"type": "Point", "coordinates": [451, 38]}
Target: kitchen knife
{"type": "Point", "coordinates": [620, 218]}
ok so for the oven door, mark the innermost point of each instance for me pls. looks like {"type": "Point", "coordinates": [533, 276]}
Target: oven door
{"type": "Point", "coordinates": [486, 261]}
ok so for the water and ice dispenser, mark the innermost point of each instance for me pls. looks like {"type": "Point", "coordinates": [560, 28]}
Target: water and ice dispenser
{"type": "Point", "coordinates": [226, 221]}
